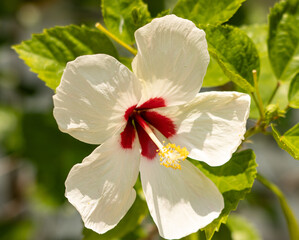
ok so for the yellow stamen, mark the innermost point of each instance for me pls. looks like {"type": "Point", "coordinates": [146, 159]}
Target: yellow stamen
{"type": "Point", "coordinates": [171, 155]}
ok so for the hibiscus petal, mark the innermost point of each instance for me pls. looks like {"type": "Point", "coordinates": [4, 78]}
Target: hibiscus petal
{"type": "Point", "coordinates": [93, 96]}
{"type": "Point", "coordinates": [172, 59]}
{"type": "Point", "coordinates": [180, 201]}
{"type": "Point", "coordinates": [212, 126]}
{"type": "Point", "coordinates": [101, 187]}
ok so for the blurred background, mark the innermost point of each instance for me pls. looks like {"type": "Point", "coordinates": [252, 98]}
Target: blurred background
{"type": "Point", "coordinates": [35, 157]}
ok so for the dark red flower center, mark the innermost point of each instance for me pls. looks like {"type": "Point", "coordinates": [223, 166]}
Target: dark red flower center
{"type": "Point", "coordinates": [146, 111]}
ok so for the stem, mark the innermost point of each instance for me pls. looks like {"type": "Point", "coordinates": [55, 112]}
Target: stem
{"type": "Point", "coordinates": [116, 39]}
{"type": "Point", "coordinates": [274, 92]}
{"type": "Point", "coordinates": [261, 112]}
{"type": "Point", "coordinates": [260, 101]}
{"type": "Point", "coordinates": [252, 131]}
{"type": "Point", "coordinates": [290, 218]}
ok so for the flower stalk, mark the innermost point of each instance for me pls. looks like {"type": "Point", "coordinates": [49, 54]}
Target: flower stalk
{"type": "Point", "coordinates": [290, 218]}
{"type": "Point", "coordinates": [116, 39]}
{"type": "Point", "coordinates": [258, 101]}
{"type": "Point", "coordinates": [274, 92]}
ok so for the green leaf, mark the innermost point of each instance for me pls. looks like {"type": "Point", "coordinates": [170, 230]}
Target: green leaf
{"type": "Point", "coordinates": [52, 152]}
{"type": "Point", "coordinates": [241, 229]}
{"type": "Point", "coordinates": [132, 219]}
{"type": "Point", "coordinates": [235, 53]}
{"type": "Point", "coordinates": [289, 141]}
{"type": "Point", "coordinates": [234, 180]}
{"type": "Point", "coordinates": [267, 80]}
{"type": "Point", "coordinates": [47, 53]}
{"type": "Point", "coordinates": [214, 76]}
{"type": "Point", "coordinates": [201, 12]}
{"type": "Point", "coordinates": [127, 62]}
{"type": "Point", "coordinates": [294, 92]}
{"type": "Point", "coordinates": [283, 39]}
{"type": "Point", "coordinates": [124, 17]}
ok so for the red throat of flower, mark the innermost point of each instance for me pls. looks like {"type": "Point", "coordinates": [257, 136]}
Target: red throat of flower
{"type": "Point", "coordinates": [145, 120]}
{"type": "Point", "coordinates": [137, 117]}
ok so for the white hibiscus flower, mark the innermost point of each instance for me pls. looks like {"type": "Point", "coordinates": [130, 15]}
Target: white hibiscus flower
{"type": "Point", "coordinates": [140, 119]}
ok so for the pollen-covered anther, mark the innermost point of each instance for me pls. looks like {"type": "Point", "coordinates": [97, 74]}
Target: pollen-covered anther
{"type": "Point", "coordinates": [171, 155]}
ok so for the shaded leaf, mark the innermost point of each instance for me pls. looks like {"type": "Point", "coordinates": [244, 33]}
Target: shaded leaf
{"type": "Point", "coordinates": [52, 152]}
{"type": "Point", "coordinates": [289, 141]}
{"type": "Point", "coordinates": [234, 180]}
{"type": "Point", "coordinates": [47, 53]}
{"type": "Point", "coordinates": [294, 92]}
{"type": "Point", "coordinates": [130, 221]}
{"type": "Point", "coordinates": [283, 39]}
{"type": "Point", "coordinates": [201, 12]}
{"type": "Point", "coordinates": [235, 53]}
{"type": "Point", "coordinates": [124, 17]}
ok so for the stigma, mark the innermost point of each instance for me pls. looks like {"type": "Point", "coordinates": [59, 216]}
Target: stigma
{"type": "Point", "coordinates": [170, 154]}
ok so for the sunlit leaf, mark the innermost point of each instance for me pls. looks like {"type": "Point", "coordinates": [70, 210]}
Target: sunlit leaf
{"type": "Point", "coordinates": [47, 53]}
{"type": "Point", "coordinates": [267, 80]}
{"type": "Point", "coordinates": [241, 229]}
{"type": "Point", "coordinates": [234, 180]}
{"type": "Point", "coordinates": [124, 17]}
{"type": "Point", "coordinates": [235, 53]}
{"type": "Point", "coordinates": [203, 12]}
{"type": "Point", "coordinates": [289, 141]}
{"type": "Point", "coordinates": [294, 92]}
{"type": "Point", "coordinates": [132, 219]}
{"type": "Point", "coordinates": [214, 76]}
{"type": "Point", "coordinates": [283, 39]}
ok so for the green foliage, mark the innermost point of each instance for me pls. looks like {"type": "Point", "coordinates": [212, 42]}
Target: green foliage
{"type": "Point", "coordinates": [283, 39]}
{"type": "Point", "coordinates": [289, 141]}
{"type": "Point", "coordinates": [16, 229]}
{"type": "Point", "coordinates": [294, 92]}
{"type": "Point", "coordinates": [52, 152]}
{"type": "Point", "coordinates": [241, 229]}
{"type": "Point", "coordinates": [232, 53]}
{"type": "Point", "coordinates": [287, 211]}
{"type": "Point", "coordinates": [214, 76]}
{"type": "Point", "coordinates": [132, 219]}
{"type": "Point", "coordinates": [203, 12]}
{"type": "Point", "coordinates": [267, 79]}
{"type": "Point", "coordinates": [124, 17]}
{"type": "Point", "coordinates": [235, 53]}
{"type": "Point", "coordinates": [273, 112]}
{"type": "Point", "coordinates": [234, 180]}
{"type": "Point", "coordinates": [47, 53]}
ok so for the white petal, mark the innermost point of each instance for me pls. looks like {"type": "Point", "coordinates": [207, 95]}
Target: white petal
{"type": "Point", "coordinates": [172, 59]}
{"type": "Point", "coordinates": [91, 100]}
{"type": "Point", "coordinates": [101, 187]}
{"type": "Point", "coordinates": [180, 201]}
{"type": "Point", "coordinates": [212, 126]}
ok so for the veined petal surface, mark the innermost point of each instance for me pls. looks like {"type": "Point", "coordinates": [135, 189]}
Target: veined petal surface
{"type": "Point", "coordinates": [101, 187]}
{"type": "Point", "coordinates": [211, 126]}
{"type": "Point", "coordinates": [172, 59]}
{"type": "Point", "coordinates": [91, 100]}
{"type": "Point", "coordinates": [180, 201]}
